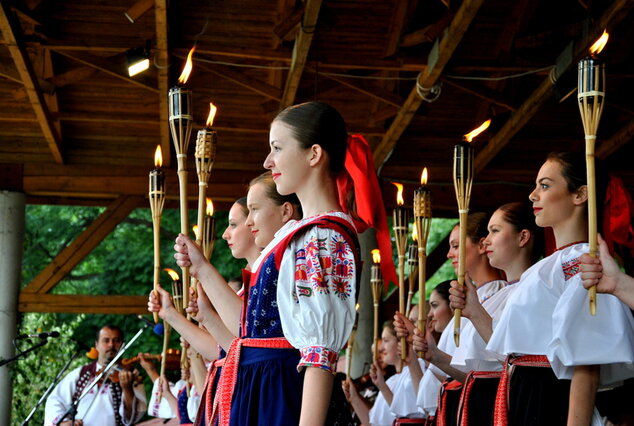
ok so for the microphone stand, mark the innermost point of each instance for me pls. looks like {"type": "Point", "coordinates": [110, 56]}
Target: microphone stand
{"type": "Point", "coordinates": [56, 380]}
{"type": "Point", "coordinates": [22, 354]}
{"type": "Point", "coordinates": [72, 410]}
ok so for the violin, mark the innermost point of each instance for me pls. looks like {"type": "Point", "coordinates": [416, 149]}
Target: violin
{"type": "Point", "coordinates": [172, 361]}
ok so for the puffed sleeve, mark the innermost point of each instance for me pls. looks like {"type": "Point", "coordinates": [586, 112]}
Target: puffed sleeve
{"type": "Point", "coordinates": [316, 295]}
{"type": "Point", "coordinates": [579, 338]}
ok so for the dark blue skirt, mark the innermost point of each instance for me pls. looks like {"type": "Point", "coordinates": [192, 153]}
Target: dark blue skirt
{"type": "Point", "coordinates": [268, 388]}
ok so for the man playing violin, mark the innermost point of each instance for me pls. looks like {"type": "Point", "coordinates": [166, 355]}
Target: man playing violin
{"type": "Point", "coordinates": [111, 402]}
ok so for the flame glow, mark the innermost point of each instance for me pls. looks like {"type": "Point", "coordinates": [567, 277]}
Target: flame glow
{"type": "Point", "coordinates": [195, 228]}
{"type": "Point", "coordinates": [475, 132]}
{"type": "Point", "coordinates": [598, 45]}
{"type": "Point", "coordinates": [212, 114]}
{"type": "Point", "coordinates": [415, 233]}
{"type": "Point", "coordinates": [356, 308]}
{"type": "Point", "coordinates": [187, 69]}
{"type": "Point", "coordinates": [423, 177]}
{"type": "Point", "coordinates": [399, 193]}
{"type": "Point", "coordinates": [172, 273]}
{"type": "Point", "coordinates": [376, 256]}
{"type": "Point", "coordinates": [158, 156]}
{"type": "Point", "coordinates": [210, 207]}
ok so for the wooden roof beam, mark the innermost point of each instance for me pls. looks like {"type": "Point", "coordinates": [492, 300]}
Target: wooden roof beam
{"type": "Point", "coordinates": [428, 33]}
{"type": "Point", "coordinates": [300, 51]}
{"type": "Point", "coordinates": [162, 58]}
{"type": "Point", "coordinates": [618, 140]}
{"type": "Point", "coordinates": [105, 65]}
{"type": "Point", "coordinates": [139, 8]}
{"type": "Point", "coordinates": [397, 22]}
{"type": "Point", "coordinates": [288, 28]}
{"type": "Point", "coordinates": [90, 238]}
{"type": "Point", "coordinates": [482, 92]}
{"type": "Point", "coordinates": [465, 14]}
{"type": "Point", "coordinates": [82, 303]}
{"type": "Point", "coordinates": [614, 14]}
{"type": "Point", "coordinates": [11, 32]}
{"type": "Point", "coordinates": [248, 82]}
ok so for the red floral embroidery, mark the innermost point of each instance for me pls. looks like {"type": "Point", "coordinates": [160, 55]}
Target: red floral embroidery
{"type": "Point", "coordinates": [571, 268]}
{"type": "Point", "coordinates": [320, 357]}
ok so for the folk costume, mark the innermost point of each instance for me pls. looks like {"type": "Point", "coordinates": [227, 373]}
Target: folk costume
{"type": "Point", "coordinates": [404, 398]}
{"type": "Point", "coordinates": [380, 413]}
{"type": "Point", "coordinates": [546, 330]}
{"type": "Point", "coordinates": [102, 406]}
{"type": "Point", "coordinates": [298, 311]}
{"type": "Point", "coordinates": [187, 405]}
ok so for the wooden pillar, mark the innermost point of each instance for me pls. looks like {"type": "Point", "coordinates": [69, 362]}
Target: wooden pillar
{"type": "Point", "coordinates": [361, 353]}
{"type": "Point", "coordinates": [11, 243]}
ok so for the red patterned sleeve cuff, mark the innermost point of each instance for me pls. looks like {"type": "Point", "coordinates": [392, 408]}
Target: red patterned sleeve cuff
{"type": "Point", "coordinates": [319, 357]}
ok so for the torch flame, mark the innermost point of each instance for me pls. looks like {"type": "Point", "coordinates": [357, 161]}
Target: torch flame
{"type": "Point", "coordinates": [475, 132]}
{"type": "Point", "coordinates": [210, 207]}
{"type": "Point", "coordinates": [158, 156]}
{"type": "Point", "coordinates": [598, 45]}
{"type": "Point", "coordinates": [212, 114]}
{"type": "Point", "coordinates": [195, 228]}
{"type": "Point", "coordinates": [356, 308]}
{"type": "Point", "coordinates": [399, 193]}
{"type": "Point", "coordinates": [423, 177]}
{"type": "Point", "coordinates": [187, 69]}
{"type": "Point", "coordinates": [172, 273]}
{"type": "Point", "coordinates": [376, 256]}
{"type": "Point", "coordinates": [415, 233]}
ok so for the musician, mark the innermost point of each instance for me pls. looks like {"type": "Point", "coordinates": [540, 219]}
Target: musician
{"type": "Point", "coordinates": [114, 401]}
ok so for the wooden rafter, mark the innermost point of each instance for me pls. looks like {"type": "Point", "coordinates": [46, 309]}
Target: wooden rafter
{"type": "Point", "coordinates": [248, 82]}
{"type": "Point", "coordinates": [428, 33]}
{"type": "Point", "coordinates": [80, 303]}
{"type": "Point", "coordinates": [105, 65]}
{"type": "Point", "coordinates": [162, 58]}
{"type": "Point", "coordinates": [428, 78]}
{"type": "Point", "coordinates": [70, 257]}
{"type": "Point", "coordinates": [397, 23]}
{"type": "Point", "coordinates": [482, 92]}
{"type": "Point", "coordinates": [616, 12]}
{"type": "Point", "coordinates": [287, 29]}
{"type": "Point", "coordinates": [618, 140]}
{"type": "Point", "coordinates": [139, 8]}
{"type": "Point", "coordinates": [300, 51]}
{"type": "Point", "coordinates": [11, 33]}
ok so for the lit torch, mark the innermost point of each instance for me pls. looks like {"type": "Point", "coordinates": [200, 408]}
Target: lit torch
{"type": "Point", "coordinates": [376, 281]}
{"type": "Point", "coordinates": [156, 195]}
{"type": "Point", "coordinates": [210, 230]}
{"type": "Point", "coordinates": [422, 224]}
{"type": "Point", "coordinates": [401, 219]}
{"type": "Point", "coordinates": [181, 119]}
{"type": "Point", "coordinates": [412, 261]}
{"type": "Point", "coordinates": [462, 181]}
{"type": "Point", "coordinates": [590, 95]}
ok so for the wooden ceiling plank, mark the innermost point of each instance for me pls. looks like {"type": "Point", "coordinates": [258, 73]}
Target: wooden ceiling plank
{"type": "Point", "coordinates": [374, 92]}
{"type": "Point", "coordinates": [103, 64]}
{"type": "Point", "coordinates": [618, 140]}
{"type": "Point", "coordinates": [482, 92]}
{"type": "Point", "coordinates": [287, 29]}
{"type": "Point", "coordinates": [459, 25]}
{"type": "Point", "coordinates": [74, 253]}
{"type": "Point", "coordinates": [51, 100]}
{"type": "Point", "coordinates": [139, 8]}
{"type": "Point", "coordinates": [162, 58]}
{"type": "Point", "coordinates": [81, 303]}
{"type": "Point", "coordinates": [300, 51]}
{"type": "Point", "coordinates": [248, 82]}
{"type": "Point", "coordinates": [11, 32]}
{"type": "Point", "coordinates": [428, 33]}
{"type": "Point", "coordinates": [614, 14]}
{"type": "Point", "coordinates": [397, 23]}
{"type": "Point", "coordinates": [72, 76]}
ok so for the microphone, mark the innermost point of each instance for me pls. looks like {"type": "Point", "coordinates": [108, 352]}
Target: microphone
{"type": "Point", "coordinates": [44, 335]}
{"type": "Point", "coordinates": [157, 328]}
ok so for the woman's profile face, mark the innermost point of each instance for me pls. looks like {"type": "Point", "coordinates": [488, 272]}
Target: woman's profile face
{"type": "Point", "coordinates": [472, 251]}
{"type": "Point", "coordinates": [237, 235]}
{"type": "Point", "coordinates": [287, 161]}
{"type": "Point", "coordinates": [439, 311]}
{"type": "Point", "coordinates": [502, 245]}
{"type": "Point", "coordinates": [552, 202]}
{"type": "Point", "coordinates": [389, 347]}
{"type": "Point", "coordinates": [265, 217]}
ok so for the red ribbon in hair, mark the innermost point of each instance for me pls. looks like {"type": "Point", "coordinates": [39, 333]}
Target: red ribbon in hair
{"type": "Point", "coordinates": [617, 215]}
{"type": "Point", "coordinates": [370, 209]}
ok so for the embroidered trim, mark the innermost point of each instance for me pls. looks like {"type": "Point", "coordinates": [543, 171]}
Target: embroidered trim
{"type": "Point", "coordinates": [571, 268]}
{"type": "Point", "coordinates": [318, 356]}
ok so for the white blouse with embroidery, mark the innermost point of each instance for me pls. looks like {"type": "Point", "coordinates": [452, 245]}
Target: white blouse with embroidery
{"type": "Point", "coordinates": [404, 398]}
{"type": "Point", "coordinates": [316, 291]}
{"type": "Point", "coordinates": [548, 314]}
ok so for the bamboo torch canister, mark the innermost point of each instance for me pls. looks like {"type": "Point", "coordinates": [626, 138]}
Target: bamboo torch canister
{"type": "Point", "coordinates": [156, 196]}
{"type": "Point", "coordinates": [590, 95]}
{"type": "Point", "coordinates": [422, 224]}
{"type": "Point", "coordinates": [463, 180]}
{"type": "Point", "coordinates": [181, 119]}
{"type": "Point", "coordinates": [400, 226]}
{"type": "Point", "coordinates": [376, 281]}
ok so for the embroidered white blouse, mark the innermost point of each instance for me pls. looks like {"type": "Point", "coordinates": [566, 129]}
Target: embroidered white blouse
{"type": "Point", "coordinates": [316, 290]}
{"type": "Point", "coordinates": [404, 398]}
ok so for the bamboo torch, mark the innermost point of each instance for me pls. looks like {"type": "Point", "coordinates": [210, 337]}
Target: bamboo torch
{"type": "Point", "coordinates": [401, 219]}
{"type": "Point", "coordinates": [412, 261]}
{"type": "Point", "coordinates": [591, 93]}
{"type": "Point", "coordinates": [422, 224]}
{"type": "Point", "coordinates": [376, 281]}
{"type": "Point", "coordinates": [157, 200]}
{"type": "Point", "coordinates": [181, 119]}
{"type": "Point", "coordinates": [210, 230]}
{"type": "Point", "coordinates": [176, 297]}
{"type": "Point", "coordinates": [205, 154]}
{"type": "Point", "coordinates": [462, 181]}
{"type": "Point", "coordinates": [351, 340]}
